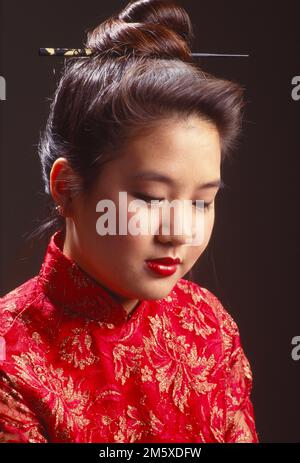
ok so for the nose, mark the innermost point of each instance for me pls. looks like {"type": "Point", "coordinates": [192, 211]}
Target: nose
{"type": "Point", "coordinates": [179, 228]}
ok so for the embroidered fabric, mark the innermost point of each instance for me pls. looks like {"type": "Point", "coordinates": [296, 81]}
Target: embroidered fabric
{"type": "Point", "coordinates": [77, 368]}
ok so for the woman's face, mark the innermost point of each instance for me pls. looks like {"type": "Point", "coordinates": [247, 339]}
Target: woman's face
{"type": "Point", "coordinates": [188, 153]}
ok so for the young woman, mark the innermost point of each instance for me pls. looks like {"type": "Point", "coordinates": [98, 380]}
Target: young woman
{"type": "Point", "coordinates": [109, 342]}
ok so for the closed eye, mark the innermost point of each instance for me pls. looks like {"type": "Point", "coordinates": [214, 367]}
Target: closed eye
{"type": "Point", "coordinates": [206, 205]}
{"type": "Point", "coordinates": [148, 199]}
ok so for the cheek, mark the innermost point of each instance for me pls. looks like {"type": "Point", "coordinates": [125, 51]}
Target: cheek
{"type": "Point", "coordinates": [202, 228]}
{"type": "Point", "coordinates": [208, 223]}
{"type": "Point", "coordinates": [208, 226]}
{"type": "Point", "coordinates": [86, 216]}
{"type": "Point", "coordinates": [143, 223]}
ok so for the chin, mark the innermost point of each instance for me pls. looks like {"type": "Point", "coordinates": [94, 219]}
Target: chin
{"type": "Point", "coordinates": [160, 291]}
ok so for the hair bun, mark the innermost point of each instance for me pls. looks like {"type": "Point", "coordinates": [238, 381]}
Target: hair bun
{"type": "Point", "coordinates": [146, 27]}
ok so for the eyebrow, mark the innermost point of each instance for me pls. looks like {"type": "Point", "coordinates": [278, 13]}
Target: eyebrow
{"type": "Point", "coordinates": [157, 177]}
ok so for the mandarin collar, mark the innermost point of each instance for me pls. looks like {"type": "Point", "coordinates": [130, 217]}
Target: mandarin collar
{"type": "Point", "coordinates": [70, 287]}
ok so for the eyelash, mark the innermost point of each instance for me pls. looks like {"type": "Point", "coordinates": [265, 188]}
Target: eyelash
{"type": "Point", "coordinates": [150, 198]}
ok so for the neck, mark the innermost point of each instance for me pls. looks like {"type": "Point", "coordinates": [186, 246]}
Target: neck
{"type": "Point", "coordinates": [71, 251]}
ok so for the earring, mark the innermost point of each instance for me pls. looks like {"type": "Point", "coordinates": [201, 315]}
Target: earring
{"type": "Point", "coordinates": [59, 209]}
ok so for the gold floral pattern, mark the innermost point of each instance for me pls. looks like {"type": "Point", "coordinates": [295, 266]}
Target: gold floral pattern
{"type": "Point", "coordinates": [147, 374]}
{"type": "Point", "coordinates": [177, 364]}
{"type": "Point", "coordinates": [127, 361]}
{"type": "Point", "coordinates": [14, 412]}
{"type": "Point", "coordinates": [129, 427]}
{"type": "Point", "coordinates": [57, 392]}
{"type": "Point", "coordinates": [79, 369]}
{"type": "Point", "coordinates": [76, 349]}
{"type": "Point", "coordinates": [193, 319]}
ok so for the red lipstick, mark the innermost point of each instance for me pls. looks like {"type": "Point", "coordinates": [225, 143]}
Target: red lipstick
{"type": "Point", "coordinates": [164, 266]}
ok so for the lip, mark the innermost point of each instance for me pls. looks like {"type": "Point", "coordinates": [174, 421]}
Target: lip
{"type": "Point", "coordinates": [164, 266]}
{"type": "Point", "coordinates": [166, 260]}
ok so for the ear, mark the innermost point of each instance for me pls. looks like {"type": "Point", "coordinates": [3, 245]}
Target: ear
{"type": "Point", "coordinates": [60, 182]}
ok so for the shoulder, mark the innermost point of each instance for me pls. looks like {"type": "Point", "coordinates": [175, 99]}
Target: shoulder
{"type": "Point", "coordinates": [202, 304]}
{"type": "Point", "coordinates": [211, 311]}
{"type": "Point", "coordinates": [200, 296]}
{"type": "Point", "coordinates": [16, 302]}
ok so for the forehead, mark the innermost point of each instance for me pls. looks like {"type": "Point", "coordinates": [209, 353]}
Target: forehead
{"type": "Point", "coordinates": [178, 148]}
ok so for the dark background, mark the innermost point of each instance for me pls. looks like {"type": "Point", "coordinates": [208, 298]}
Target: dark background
{"type": "Point", "coordinates": [251, 263]}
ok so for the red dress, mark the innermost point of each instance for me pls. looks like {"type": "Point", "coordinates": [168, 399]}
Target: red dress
{"type": "Point", "coordinates": [77, 368]}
